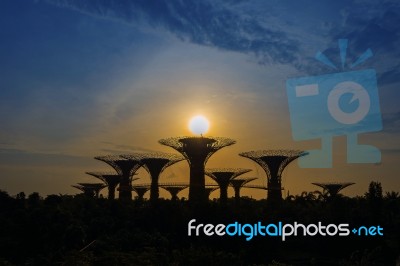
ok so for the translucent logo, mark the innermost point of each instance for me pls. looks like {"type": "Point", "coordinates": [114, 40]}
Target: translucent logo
{"type": "Point", "coordinates": [343, 103]}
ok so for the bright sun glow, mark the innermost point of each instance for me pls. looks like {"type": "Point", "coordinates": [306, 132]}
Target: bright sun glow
{"type": "Point", "coordinates": [199, 125]}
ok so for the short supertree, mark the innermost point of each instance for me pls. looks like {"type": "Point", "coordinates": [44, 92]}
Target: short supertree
{"type": "Point", "coordinates": [223, 176]}
{"type": "Point", "coordinates": [140, 191]}
{"type": "Point", "coordinates": [209, 190]}
{"type": "Point", "coordinates": [333, 188]}
{"type": "Point", "coordinates": [126, 169]}
{"type": "Point", "coordinates": [155, 163]}
{"type": "Point", "coordinates": [90, 189]}
{"type": "Point", "coordinates": [197, 150]}
{"type": "Point", "coordinates": [174, 190]}
{"type": "Point", "coordinates": [110, 179]}
{"type": "Point", "coordinates": [237, 185]}
{"type": "Point", "coordinates": [273, 162]}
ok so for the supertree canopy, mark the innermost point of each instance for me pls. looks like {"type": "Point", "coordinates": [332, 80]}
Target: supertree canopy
{"type": "Point", "coordinates": [155, 163]}
{"type": "Point", "coordinates": [140, 191]}
{"type": "Point", "coordinates": [237, 184]}
{"type": "Point", "coordinates": [174, 190]}
{"type": "Point", "coordinates": [90, 189]}
{"type": "Point", "coordinates": [126, 169]}
{"type": "Point", "coordinates": [194, 147]}
{"type": "Point", "coordinates": [197, 150]}
{"type": "Point", "coordinates": [223, 176]}
{"type": "Point", "coordinates": [209, 190]}
{"type": "Point", "coordinates": [333, 188]}
{"type": "Point", "coordinates": [273, 162]}
{"type": "Point", "coordinates": [111, 179]}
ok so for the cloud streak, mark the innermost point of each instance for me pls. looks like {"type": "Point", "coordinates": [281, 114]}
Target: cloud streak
{"type": "Point", "coordinates": [254, 29]}
{"type": "Point", "coordinates": [209, 23]}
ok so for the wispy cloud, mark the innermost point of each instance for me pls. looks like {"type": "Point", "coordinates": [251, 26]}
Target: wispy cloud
{"type": "Point", "coordinates": [209, 23]}
{"type": "Point", "coordinates": [254, 27]}
{"type": "Point", "coordinates": [373, 25]}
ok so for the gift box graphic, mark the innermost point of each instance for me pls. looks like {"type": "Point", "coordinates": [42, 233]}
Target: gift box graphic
{"type": "Point", "coordinates": [344, 103]}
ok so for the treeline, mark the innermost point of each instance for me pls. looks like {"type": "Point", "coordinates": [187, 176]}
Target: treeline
{"type": "Point", "coordinates": [80, 230]}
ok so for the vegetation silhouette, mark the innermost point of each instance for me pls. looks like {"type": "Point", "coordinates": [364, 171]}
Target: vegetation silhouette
{"type": "Point", "coordinates": [84, 230]}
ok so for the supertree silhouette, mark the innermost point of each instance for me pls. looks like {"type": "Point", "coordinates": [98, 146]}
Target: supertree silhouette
{"type": "Point", "coordinates": [140, 191]}
{"type": "Point", "coordinates": [223, 176]}
{"type": "Point", "coordinates": [126, 169]}
{"type": "Point", "coordinates": [237, 185]}
{"type": "Point", "coordinates": [273, 162]}
{"type": "Point", "coordinates": [209, 189]}
{"type": "Point", "coordinates": [197, 150]}
{"type": "Point", "coordinates": [174, 190]}
{"type": "Point", "coordinates": [333, 188]}
{"type": "Point", "coordinates": [90, 189]}
{"type": "Point", "coordinates": [110, 179]}
{"type": "Point", "coordinates": [155, 163]}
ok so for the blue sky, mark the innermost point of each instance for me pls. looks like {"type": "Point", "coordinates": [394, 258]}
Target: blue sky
{"type": "Point", "coordinates": [86, 78]}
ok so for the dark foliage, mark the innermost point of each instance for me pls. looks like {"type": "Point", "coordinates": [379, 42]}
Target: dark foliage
{"type": "Point", "coordinates": [66, 230]}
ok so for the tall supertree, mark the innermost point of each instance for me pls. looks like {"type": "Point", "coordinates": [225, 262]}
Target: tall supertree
{"type": "Point", "coordinates": [237, 185]}
{"type": "Point", "coordinates": [90, 189]}
{"type": "Point", "coordinates": [197, 150]}
{"type": "Point", "coordinates": [126, 169]}
{"type": "Point", "coordinates": [223, 176]}
{"type": "Point", "coordinates": [333, 188]}
{"type": "Point", "coordinates": [273, 162]}
{"type": "Point", "coordinates": [155, 163]}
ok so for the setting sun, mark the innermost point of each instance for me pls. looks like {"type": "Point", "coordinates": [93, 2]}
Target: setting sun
{"type": "Point", "coordinates": [199, 124]}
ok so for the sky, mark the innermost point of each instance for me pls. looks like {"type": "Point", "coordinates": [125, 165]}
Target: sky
{"type": "Point", "coordinates": [86, 78]}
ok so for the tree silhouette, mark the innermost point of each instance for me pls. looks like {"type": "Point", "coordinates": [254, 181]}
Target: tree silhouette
{"type": "Point", "coordinates": [80, 230]}
{"type": "Point", "coordinates": [374, 197]}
